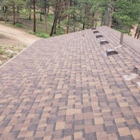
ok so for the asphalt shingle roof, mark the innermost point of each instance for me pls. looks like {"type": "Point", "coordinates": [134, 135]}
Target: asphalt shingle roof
{"type": "Point", "coordinates": [64, 88]}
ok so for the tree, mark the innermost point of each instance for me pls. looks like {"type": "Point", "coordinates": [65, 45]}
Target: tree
{"type": "Point", "coordinates": [126, 14]}
{"type": "Point", "coordinates": [76, 15]}
{"type": "Point", "coordinates": [15, 6]}
{"type": "Point", "coordinates": [4, 9]}
{"type": "Point", "coordinates": [57, 4]}
{"type": "Point", "coordinates": [43, 5]}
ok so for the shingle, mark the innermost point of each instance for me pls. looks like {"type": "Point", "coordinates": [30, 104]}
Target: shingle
{"type": "Point", "coordinates": [64, 88]}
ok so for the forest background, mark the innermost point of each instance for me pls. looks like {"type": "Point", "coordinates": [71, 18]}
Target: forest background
{"type": "Point", "coordinates": [46, 18]}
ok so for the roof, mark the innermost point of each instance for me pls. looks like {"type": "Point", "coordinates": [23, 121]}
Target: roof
{"type": "Point", "coordinates": [65, 88]}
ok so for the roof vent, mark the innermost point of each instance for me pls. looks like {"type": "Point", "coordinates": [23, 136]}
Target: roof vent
{"type": "Point", "coordinates": [103, 42]}
{"type": "Point", "coordinates": [94, 28]}
{"type": "Point", "coordinates": [95, 32]}
{"type": "Point", "coordinates": [111, 52]}
{"type": "Point", "coordinates": [98, 36]}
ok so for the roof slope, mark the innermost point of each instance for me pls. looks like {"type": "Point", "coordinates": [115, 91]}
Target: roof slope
{"type": "Point", "coordinates": [64, 88]}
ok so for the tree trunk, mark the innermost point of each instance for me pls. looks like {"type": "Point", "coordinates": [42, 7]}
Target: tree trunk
{"type": "Point", "coordinates": [56, 15]}
{"type": "Point", "coordinates": [34, 8]}
{"type": "Point", "coordinates": [68, 4]}
{"type": "Point", "coordinates": [29, 17]}
{"type": "Point", "coordinates": [135, 35]}
{"type": "Point", "coordinates": [17, 15]}
{"type": "Point", "coordinates": [30, 14]}
{"type": "Point", "coordinates": [137, 32]}
{"type": "Point", "coordinates": [45, 16]}
{"type": "Point", "coordinates": [85, 18]}
{"type": "Point", "coordinates": [93, 19]}
{"type": "Point", "coordinates": [53, 26]}
{"type": "Point", "coordinates": [104, 17]}
{"type": "Point", "coordinates": [111, 19]}
{"type": "Point", "coordinates": [67, 26]}
{"type": "Point", "coordinates": [13, 14]}
{"type": "Point", "coordinates": [5, 12]}
{"type": "Point", "coordinates": [41, 17]}
{"type": "Point", "coordinates": [45, 22]}
{"type": "Point", "coordinates": [84, 26]}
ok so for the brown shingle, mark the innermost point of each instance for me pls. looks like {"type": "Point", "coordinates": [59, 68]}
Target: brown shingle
{"type": "Point", "coordinates": [64, 88]}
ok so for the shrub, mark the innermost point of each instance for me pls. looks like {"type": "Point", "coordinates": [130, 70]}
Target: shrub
{"type": "Point", "coordinates": [43, 35]}
{"type": "Point", "coordinates": [19, 25]}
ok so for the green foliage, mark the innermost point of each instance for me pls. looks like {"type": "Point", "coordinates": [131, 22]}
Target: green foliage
{"type": "Point", "coordinates": [83, 14]}
{"type": "Point", "coordinates": [43, 35]}
{"type": "Point", "coordinates": [127, 13]}
{"type": "Point", "coordinates": [19, 25]}
{"type": "Point", "coordinates": [122, 30]}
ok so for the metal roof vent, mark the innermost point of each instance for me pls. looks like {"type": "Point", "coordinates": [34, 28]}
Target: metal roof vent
{"type": "Point", "coordinates": [94, 28]}
{"type": "Point", "coordinates": [111, 52]}
{"type": "Point", "coordinates": [103, 42]}
{"type": "Point", "coordinates": [95, 32]}
{"type": "Point", "coordinates": [98, 36]}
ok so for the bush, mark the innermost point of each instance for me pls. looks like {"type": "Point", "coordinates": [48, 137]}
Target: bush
{"type": "Point", "coordinates": [43, 35]}
{"type": "Point", "coordinates": [19, 25]}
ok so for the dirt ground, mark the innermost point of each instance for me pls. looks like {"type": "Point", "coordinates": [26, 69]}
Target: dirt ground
{"type": "Point", "coordinates": [13, 41]}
